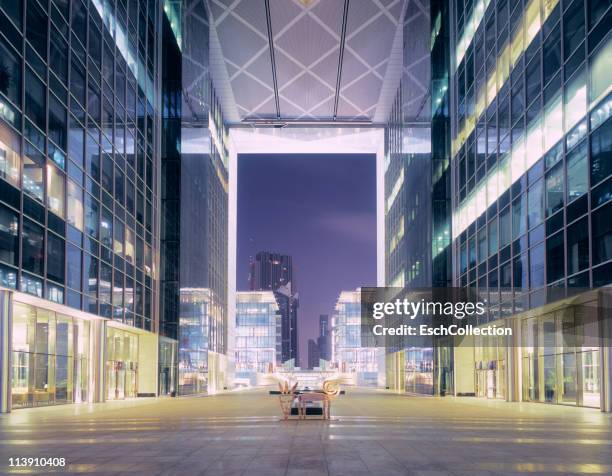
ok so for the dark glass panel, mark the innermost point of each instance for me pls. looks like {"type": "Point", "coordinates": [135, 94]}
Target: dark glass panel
{"type": "Point", "coordinates": [32, 246]}
{"type": "Point", "coordinates": [55, 258]}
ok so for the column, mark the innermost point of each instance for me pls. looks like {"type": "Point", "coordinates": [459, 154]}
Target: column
{"type": "Point", "coordinates": [6, 327]}
{"type": "Point", "coordinates": [605, 372]}
{"type": "Point", "coordinates": [97, 361]}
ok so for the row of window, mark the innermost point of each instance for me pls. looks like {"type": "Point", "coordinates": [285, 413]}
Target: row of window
{"type": "Point", "coordinates": [557, 109]}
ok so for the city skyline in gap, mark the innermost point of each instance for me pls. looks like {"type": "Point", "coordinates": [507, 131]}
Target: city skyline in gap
{"type": "Point", "coordinates": [321, 210]}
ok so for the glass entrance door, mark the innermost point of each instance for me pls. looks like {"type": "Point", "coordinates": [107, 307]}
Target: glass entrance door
{"type": "Point", "coordinates": [590, 378]}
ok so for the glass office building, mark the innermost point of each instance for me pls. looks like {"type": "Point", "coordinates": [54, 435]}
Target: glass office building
{"type": "Point", "coordinates": [79, 125]}
{"type": "Point", "coordinates": [258, 335]}
{"type": "Point", "coordinates": [531, 103]}
{"type": "Point", "coordinates": [417, 193]}
{"type": "Point", "coordinates": [349, 355]}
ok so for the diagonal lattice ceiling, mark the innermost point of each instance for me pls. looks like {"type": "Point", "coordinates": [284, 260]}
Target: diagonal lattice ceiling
{"type": "Point", "coordinates": [330, 58]}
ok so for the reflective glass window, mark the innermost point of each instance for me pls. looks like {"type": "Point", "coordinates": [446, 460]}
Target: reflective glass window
{"type": "Point", "coordinates": [555, 259]}
{"type": "Point", "coordinates": [36, 28]}
{"type": "Point", "coordinates": [575, 99]}
{"type": "Point", "coordinates": [77, 81]}
{"type": "Point", "coordinates": [505, 227]}
{"type": "Point", "coordinates": [106, 227]}
{"type": "Point", "coordinates": [10, 79]}
{"type": "Point", "coordinates": [601, 152]}
{"type": "Point", "coordinates": [35, 103]}
{"type": "Point", "coordinates": [535, 200]}
{"type": "Point", "coordinates": [92, 212]}
{"type": "Point", "coordinates": [601, 72]}
{"type": "Point", "coordinates": [532, 77]}
{"type": "Point", "coordinates": [536, 266]}
{"type": "Point", "coordinates": [32, 246]}
{"type": "Point", "coordinates": [555, 190]}
{"type": "Point", "coordinates": [573, 27]}
{"type": "Point", "coordinates": [552, 54]}
{"type": "Point", "coordinates": [578, 246]}
{"type": "Point", "coordinates": [493, 237]}
{"type": "Point", "coordinates": [76, 143]}
{"type": "Point", "coordinates": [602, 234]}
{"type": "Point", "coordinates": [14, 9]}
{"type": "Point", "coordinates": [92, 157]}
{"type": "Point", "coordinates": [55, 258]}
{"type": "Point", "coordinates": [73, 267]}
{"type": "Point", "coordinates": [118, 237]}
{"type": "Point", "coordinates": [57, 122]}
{"type": "Point", "coordinates": [75, 205]}
{"type": "Point", "coordinates": [79, 21]}
{"type": "Point", "coordinates": [9, 236]}
{"type": "Point", "coordinates": [33, 163]}
{"type": "Point", "coordinates": [58, 54]}
{"type": "Point", "coordinates": [577, 172]}
{"type": "Point", "coordinates": [519, 213]}
{"type": "Point", "coordinates": [107, 173]}
{"type": "Point", "coordinates": [129, 245]}
{"type": "Point", "coordinates": [90, 275]}
{"type": "Point", "coordinates": [553, 122]}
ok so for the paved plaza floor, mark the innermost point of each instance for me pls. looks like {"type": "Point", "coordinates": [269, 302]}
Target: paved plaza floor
{"type": "Point", "coordinates": [371, 432]}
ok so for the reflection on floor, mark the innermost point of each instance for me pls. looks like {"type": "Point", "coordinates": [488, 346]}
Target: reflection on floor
{"type": "Point", "coordinates": [372, 433]}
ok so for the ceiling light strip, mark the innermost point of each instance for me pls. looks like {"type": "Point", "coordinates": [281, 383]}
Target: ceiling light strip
{"type": "Point", "coordinates": [340, 57]}
{"type": "Point", "coordinates": [272, 59]}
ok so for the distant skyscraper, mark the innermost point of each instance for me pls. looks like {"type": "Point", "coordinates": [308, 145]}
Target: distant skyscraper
{"type": "Point", "coordinates": [274, 272]}
{"type": "Point", "coordinates": [323, 341]}
{"type": "Point", "coordinates": [270, 271]}
{"type": "Point", "coordinates": [314, 354]}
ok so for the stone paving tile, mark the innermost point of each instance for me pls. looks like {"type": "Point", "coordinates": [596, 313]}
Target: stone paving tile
{"type": "Point", "coordinates": [376, 433]}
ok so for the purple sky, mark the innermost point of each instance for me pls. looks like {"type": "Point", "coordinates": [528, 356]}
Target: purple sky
{"type": "Point", "coordinates": [321, 210]}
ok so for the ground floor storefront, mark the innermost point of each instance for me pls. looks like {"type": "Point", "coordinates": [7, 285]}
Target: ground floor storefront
{"type": "Point", "coordinates": [557, 354]}
{"type": "Point", "coordinates": [53, 355]}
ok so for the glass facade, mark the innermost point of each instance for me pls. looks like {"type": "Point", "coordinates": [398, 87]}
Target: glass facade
{"type": "Point", "coordinates": [418, 251]}
{"type": "Point", "coordinates": [258, 334]}
{"type": "Point", "coordinates": [78, 125]}
{"type": "Point", "coordinates": [195, 237]}
{"type": "Point", "coordinates": [195, 327]}
{"type": "Point", "coordinates": [349, 356]}
{"type": "Point", "coordinates": [531, 127]}
{"type": "Point", "coordinates": [560, 365]}
{"type": "Point", "coordinates": [50, 361]}
{"type": "Point", "coordinates": [528, 178]}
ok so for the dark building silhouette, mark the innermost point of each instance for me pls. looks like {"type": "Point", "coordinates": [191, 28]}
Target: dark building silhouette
{"type": "Point", "coordinates": [270, 271]}
{"type": "Point", "coordinates": [274, 272]}
{"type": "Point", "coordinates": [323, 341]}
{"type": "Point", "coordinates": [314, 354]}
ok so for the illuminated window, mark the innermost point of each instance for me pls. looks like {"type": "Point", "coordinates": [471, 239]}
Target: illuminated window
{"type": "Point", "coordinates": [75, 205]}
{"type": "Point", "coordinates": [577, 172]}
{"type": "Point", "coordinates": [129, 245]}
{"type": "Point", "coordinates": [9, 155]}
{"type": "Point", "coordinates": [575, 99]}
{"type": "Point", "coordinates": [33, 161]}
{"type": "Point", "coordinates": [532, 20]}
{"type": "Point", "coordinates": [553, 122]}
{"type": "Point", "coordinates": [55, 190]}
{"type": "Point", "coordinates": [601, 72]}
